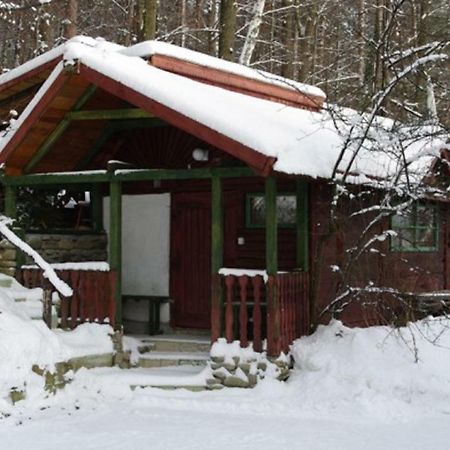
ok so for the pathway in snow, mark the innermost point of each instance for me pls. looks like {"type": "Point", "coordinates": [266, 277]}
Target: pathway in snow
{"type": "Point", "coordinates": [219, 420]}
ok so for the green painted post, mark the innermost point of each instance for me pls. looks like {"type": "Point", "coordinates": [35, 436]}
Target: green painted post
{"type": "Point", "coordinates": [273, 307]}
{"type": "Point", "coordinates": [11, 212]}
{"type": "Point", "coordinates": [271, 226]}
{"type": "Point", "coordinates": [97, 208]}
{"type": "Point", "coordinates": [216, 255]}
{"type": "Point", "coordinates": [115, 244]}
{"type": "Point", "coordinates": [302, 227]}
{"type": "Point", "coordinates": [10, 202]}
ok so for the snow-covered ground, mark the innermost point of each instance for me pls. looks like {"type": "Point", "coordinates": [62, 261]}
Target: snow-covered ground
{"type": "Point", "coordinates": [351, 389]}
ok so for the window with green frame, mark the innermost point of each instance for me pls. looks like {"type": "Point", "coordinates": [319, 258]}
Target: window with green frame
{"type": "Point", "coordinates": [416, 228]}
{"type": "Point", "coordinates": [256, 210]}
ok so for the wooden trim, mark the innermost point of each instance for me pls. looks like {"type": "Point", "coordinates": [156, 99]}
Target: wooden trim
{"type": "Point", "coordinates": [47, 145]}
{"type": "Point", "coordinates": [271, 226]}
{"type": "Point", "coordinates": [49, 65]}
{"type": "Point", "coordinates": [302, 227]}
{"type": "Point", "coordinates": [10, 202]}
{"type": "Point", "coordinates": [110, 114]}
{"type": "Point", "coordinates": [102, 176]}
{"type": "Point", "coordinates": [115, 244]}
{"type": "Point", "coordinates": [261, 163]}
{"type": "Point", "coordinates": [97, 208]}
{"type": "Point", "coordinates": [217, 237]}
{"type": "Point", "coordinates": [62, 126]}
{"type": "Point", "coordinates": [237, 83]}
{"type": "Point", "coordinates": [33, 117]}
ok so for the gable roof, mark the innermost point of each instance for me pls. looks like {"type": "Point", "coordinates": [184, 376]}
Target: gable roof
{"type": "Point", "coordinates": [266, 135]}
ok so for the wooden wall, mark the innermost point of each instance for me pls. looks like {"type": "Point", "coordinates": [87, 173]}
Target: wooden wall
{"type": "Point", "coordinates": [405, 271]}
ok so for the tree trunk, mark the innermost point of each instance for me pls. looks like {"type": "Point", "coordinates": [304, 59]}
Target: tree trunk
{"type": "Point", "coordinates": [72, 18]}
{"type": "Point", "coordinates": [149, 25]}
{"type": "Point", "coordinates": [213, 18]}
{"type": "Point", "coordinates": [227, 29]}
{"type": "Point", "coordinates": [252, 33]}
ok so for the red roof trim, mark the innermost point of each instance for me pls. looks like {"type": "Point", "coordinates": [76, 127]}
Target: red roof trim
{"type": "Point", "coordinates": [261, 163]}
{"type": "Point", "coordinates": [49, 65]}
{"type": "Point", "coordinates": [33, 117]}
{"type": "Point", "coordinates": [238, 83]}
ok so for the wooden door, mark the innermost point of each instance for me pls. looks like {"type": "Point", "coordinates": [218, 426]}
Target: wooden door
{"type": "Point", "coordinates": [190, 256]}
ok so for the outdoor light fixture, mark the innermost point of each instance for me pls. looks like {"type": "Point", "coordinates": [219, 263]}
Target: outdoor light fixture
{"type": "Point", "coordinates": [199, 154]}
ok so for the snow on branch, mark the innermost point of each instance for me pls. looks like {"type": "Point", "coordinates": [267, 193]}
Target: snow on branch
{"type": "Point", "coordinates": [49, 273]}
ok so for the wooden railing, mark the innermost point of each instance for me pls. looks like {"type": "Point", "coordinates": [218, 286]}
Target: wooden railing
{"type": "Point", "coordinates": [253, 310]}
{"type": "Point", "coordinates": [93, 298]}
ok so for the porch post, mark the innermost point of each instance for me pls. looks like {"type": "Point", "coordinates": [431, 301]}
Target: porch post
{"type": "Point", "coordinates": [11, 212]}
{"type": "Point", "coordinates": [115, 244]}
{"type": "Point", "coordinates": [97, 207]}
{"type": "Point", "coordinates": [273, 316]}
{"type": "Point", "coordinates": [302, 229]}
{"type": "Point", "coordinates": [10, 201]}
{"type": "Point", "coordinates": [216, 254]}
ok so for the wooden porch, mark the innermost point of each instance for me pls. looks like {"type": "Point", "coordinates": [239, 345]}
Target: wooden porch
{"type": "Point", "coordinates": [247, 308]}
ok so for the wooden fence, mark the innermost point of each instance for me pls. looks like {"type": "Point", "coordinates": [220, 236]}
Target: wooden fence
{"type": "Point", "coordinates": [254, 310]}
{"type": "Point", "coordinates": [93, 294]}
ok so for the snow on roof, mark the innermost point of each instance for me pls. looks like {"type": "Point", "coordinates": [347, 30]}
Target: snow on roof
{"type": "Point", "coordinates": [51, 55]}
{"type": "Point", "coordinates": [150, 48]}
{"type": "Point", "coordinates": [303, 142]}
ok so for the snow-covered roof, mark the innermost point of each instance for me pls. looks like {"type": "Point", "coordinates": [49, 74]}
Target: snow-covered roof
{"type": "Point", "coordinates": [150, 48]}
{"type": "Point", "coordinates": [302, 142]}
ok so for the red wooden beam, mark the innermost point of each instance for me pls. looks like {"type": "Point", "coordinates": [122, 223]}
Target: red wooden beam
{"type": "Point", "coordinates": [27, 76]}
{"type": "Point", "coordinates": [261, 163]}
{"type": "Point", "coordinates": [33, 117]}
{"type": "Point", "coordinates": [238, 83]}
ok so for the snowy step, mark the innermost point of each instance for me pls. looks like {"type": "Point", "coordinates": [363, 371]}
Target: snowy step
{"type": "Point", "coordinates": [6, 282]}
{"type": "Point", "coordinates": [178, 377]}
{"type": "Point", "coordinates": [165, 359]}
{"type": "Point", "coordinates": [178, 343]}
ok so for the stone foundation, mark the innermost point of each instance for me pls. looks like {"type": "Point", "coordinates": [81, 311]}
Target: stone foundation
{"type": "Point", "coordinates": [57, 248]}
{"type": "Point", "coordinates": [8, 254]}
{"type": "Point", "coordinates": [235, 367]}
{"type": "Point", "coordinates": [61, 248]}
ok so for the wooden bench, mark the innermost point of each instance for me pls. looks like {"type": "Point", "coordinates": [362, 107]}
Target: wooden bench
{"type": "Point", "coordinates": [154, 307]}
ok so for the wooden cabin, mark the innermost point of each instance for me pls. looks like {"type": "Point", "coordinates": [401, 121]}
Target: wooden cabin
{"type": "Point", "coordinates": [210, 181]}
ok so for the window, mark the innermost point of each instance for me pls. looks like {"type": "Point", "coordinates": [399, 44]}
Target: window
{"type": "Point", "coordinates": [256, 210]}
{"type": "Point", "coordinates": [416, 228]}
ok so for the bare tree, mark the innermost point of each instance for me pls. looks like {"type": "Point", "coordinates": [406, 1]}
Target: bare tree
{"type": "Point", "coordinates": [227, 29]}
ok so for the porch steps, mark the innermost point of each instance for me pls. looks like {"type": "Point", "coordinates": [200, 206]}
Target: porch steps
{"type": "Point", "coordinates": [173, 350]}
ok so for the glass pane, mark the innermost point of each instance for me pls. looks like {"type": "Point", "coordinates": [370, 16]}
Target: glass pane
{"type": "Point", "coordinates": [257, 210]}
{"type": "Point", "coordinates": [425, 216]}
{"type": "Point", "coordinates": [286, 209]}
{"type": "Point", "coordinates": [406, 239]}
{"type": "Point", "coordinates": [426, 237]}
{"type": "Point", "coordinates": [403, 219]}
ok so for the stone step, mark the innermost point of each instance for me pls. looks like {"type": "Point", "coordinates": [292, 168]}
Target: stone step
{"type": "Point", "coordinates": [167, 359]}
{"type": "Point", "coordinates": [178, 344]}
{"type": "Point", "coordinates": [6, 282]}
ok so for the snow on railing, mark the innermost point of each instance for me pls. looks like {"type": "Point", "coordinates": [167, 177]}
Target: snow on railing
{"type": "Point", "coordinates": [63, 288]}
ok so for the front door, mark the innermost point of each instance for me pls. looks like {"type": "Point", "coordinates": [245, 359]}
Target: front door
{"type": "Point", "coordinates": [190, 257]}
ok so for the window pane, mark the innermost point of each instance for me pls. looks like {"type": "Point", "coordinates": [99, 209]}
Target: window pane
{"type": "Point", "coordinates": [425, 217]}
{"type": "Point", "coordinates": [406, 238]}
{"type": "Point", "coordinates": [426, 237]}
{"type": "Point", "coordinates": [416, 229]}
{"type": "Point", "coordinates": [403, 219]}
{"type": "Point", "coordinates": [286, 209]}
{"type": "Point", "coordinates": [257, 210]}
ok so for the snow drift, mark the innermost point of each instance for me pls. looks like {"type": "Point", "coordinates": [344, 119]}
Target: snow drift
{"type": "Point", "coordinates": [378, 371]}
{"type": "Point", "coordinates": [25, 341]}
